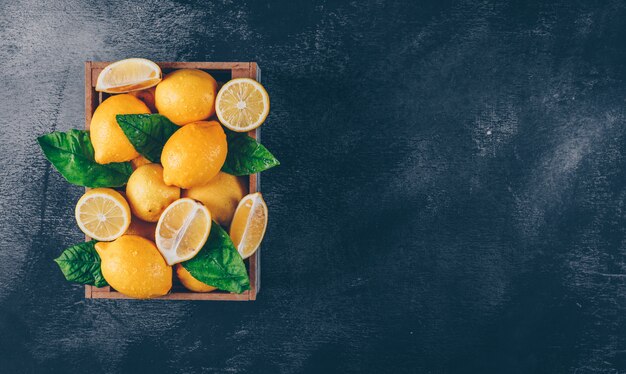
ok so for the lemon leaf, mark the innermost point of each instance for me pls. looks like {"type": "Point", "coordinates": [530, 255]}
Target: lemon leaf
{"type": "Point", "coordinates": [148, 133]}
{"type": "Point", "coordinates": [72, 155]}
{"type": "Point", "coordinates": [246, 156]}
{"type": "Point", "coordinates": [80, 263]}
{"type": "Point", "coordinates": [218, 263]}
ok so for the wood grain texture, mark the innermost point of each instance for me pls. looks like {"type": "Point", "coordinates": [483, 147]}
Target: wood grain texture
{"type": "Point", "coordinates": [450, 197]}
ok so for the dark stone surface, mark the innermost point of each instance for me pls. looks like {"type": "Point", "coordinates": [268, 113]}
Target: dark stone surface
{"type": "Point", "coordinates": [451, 197]}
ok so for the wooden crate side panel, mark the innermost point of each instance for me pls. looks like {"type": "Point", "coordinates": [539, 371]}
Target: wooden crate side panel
{"type": "Point", "coordinates": [238, 69]}
{"type": "Point", "coordinates": [255, 260]}
{"type": "Point", "coordinates": [185, 65]}
{"type": "Point", "coordinates": [89, 108]}
{"type": "Point", "coordinates": [180, 296]}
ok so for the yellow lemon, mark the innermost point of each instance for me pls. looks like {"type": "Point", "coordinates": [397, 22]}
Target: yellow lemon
{"type": "Point", "coordinates": [186, 95]}
{"type": "Point", "coordinates": [109, 141]}
{"type": "Point", "coordinates": [242, 104]}
{"type": "Point", "coordinates": [221, 195]}
{"type": "Point", "coordinates": [147, 96]}
{"type": "Point", "coordinates": [182, 230]}
{"type": "Point", "coordinates": [147, 194]}
{"type": "Point", "coordinates": [141, 228]}
{"type": "Point", "coordinates": [249, 224]}
{"type": "Point", "coordinates": [102, 214]}
{"type": "Point", "coordinates": [194, 154]}
{"type": "Point", "coordinates": [128, 75]}
{"type": "Point", "coordinates": [190, 282]}
{"type": "Point", "coordinates": [133, 266]}
{"type": "Point", "coordinates": [136, 162]}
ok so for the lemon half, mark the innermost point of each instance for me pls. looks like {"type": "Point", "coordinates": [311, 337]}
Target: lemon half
{"type": "Point", "coordinates": [131, 74]}
{"type": "Point", "coordinates": [182, 230]}
{"type": "Point", "coordinates": [102, 214]}
{"type": "Point", "coordinates": [242, 104]}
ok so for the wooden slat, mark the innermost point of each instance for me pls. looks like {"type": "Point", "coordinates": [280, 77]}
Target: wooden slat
{"type": "Point", "coordinates": [93, 98]}
{"type": "Point", "coordinates": [238, 69]}
{"type": "Point", "coordinates": [254, 261]}
{"type": "Point", "coordinates": [88, 98]}
{"type": "Point", "coordinates": [190, 65]}
{"type": "Point", "coordinates": [101, 289]}
{"type": "Point", "coordinates": [88, 112]}
{"type": "Point", "coordinates": [181, 296]}
{"type": "Point", "coordinates": [94, 76]}
{"type": "Point", "coordinates": [242, 71]}
{"type": "Point", "coordinates": [186, 65]}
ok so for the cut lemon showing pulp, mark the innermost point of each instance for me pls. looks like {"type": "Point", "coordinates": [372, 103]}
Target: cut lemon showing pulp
{"type": "Point", "coordinates": [132, 74]}
{"type": "Point", "coordinates": [102, 214]}
{"type": "Point", "coordinates": [182, 230]}
{"type": "Point", "coordinates": [242, 104]}
{"type": "Point", "coordinates": [249, 224]}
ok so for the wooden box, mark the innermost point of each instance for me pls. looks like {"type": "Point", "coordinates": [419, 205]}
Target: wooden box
{"type": "Point", "coordinates": [222, 72]}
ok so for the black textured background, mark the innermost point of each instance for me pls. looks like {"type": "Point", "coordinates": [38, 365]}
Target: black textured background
{"type": "Point", "coordinates": [451, 196]}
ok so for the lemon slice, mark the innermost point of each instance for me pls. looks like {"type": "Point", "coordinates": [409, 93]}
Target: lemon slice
{"type": "Point", "coordinates": [102, 214]}
{"type": "Point", "coordinates": [242, 104]}
{"type": "Point", "coordinates": [182, 230]}
{"type": "Point", "coordinates": [132, 74]}
{"type": "Point", "coordinates": [249, 224]}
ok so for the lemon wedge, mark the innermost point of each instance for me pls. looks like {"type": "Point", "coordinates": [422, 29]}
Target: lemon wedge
{"type": "Point", "coordinates": [132, 74]}
{"type": "Point", "coordinates": [249, 224]}
{"type": "Point", "coordinates": [182, 230]}
{"type": "Point", "coordinates": [102, 214]}
{"type": "Point", "coordinates": [242, 104]}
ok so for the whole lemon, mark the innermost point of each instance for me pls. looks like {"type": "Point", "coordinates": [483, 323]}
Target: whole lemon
{"type": "Point", "coordinates": [221, 195]}
{"type": "Point", "coordinates": [147, 194]}
{"type": "Point", "coordinates": [186, 95]}
{"type": "Point", "coordinates": [194, 154]}
{"type": "Point", "coordinates": [133, 266]}
{"type": "Point", "coordinates": [190, 282]}
{"type": "Point", "coordinates": [109, 141]}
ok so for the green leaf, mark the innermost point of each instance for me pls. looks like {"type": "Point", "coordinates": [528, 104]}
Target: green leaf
{"type": "Point", "coordinates": [246, 156]}
{"type": "Point", "coordinates": [71, 153]}
{"type": "Point", "coordinates": [147, 132]}
{"type": "Point", "coordinates": [81, 264]}
{"type": "Point", "coordinates": [218, 263]}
